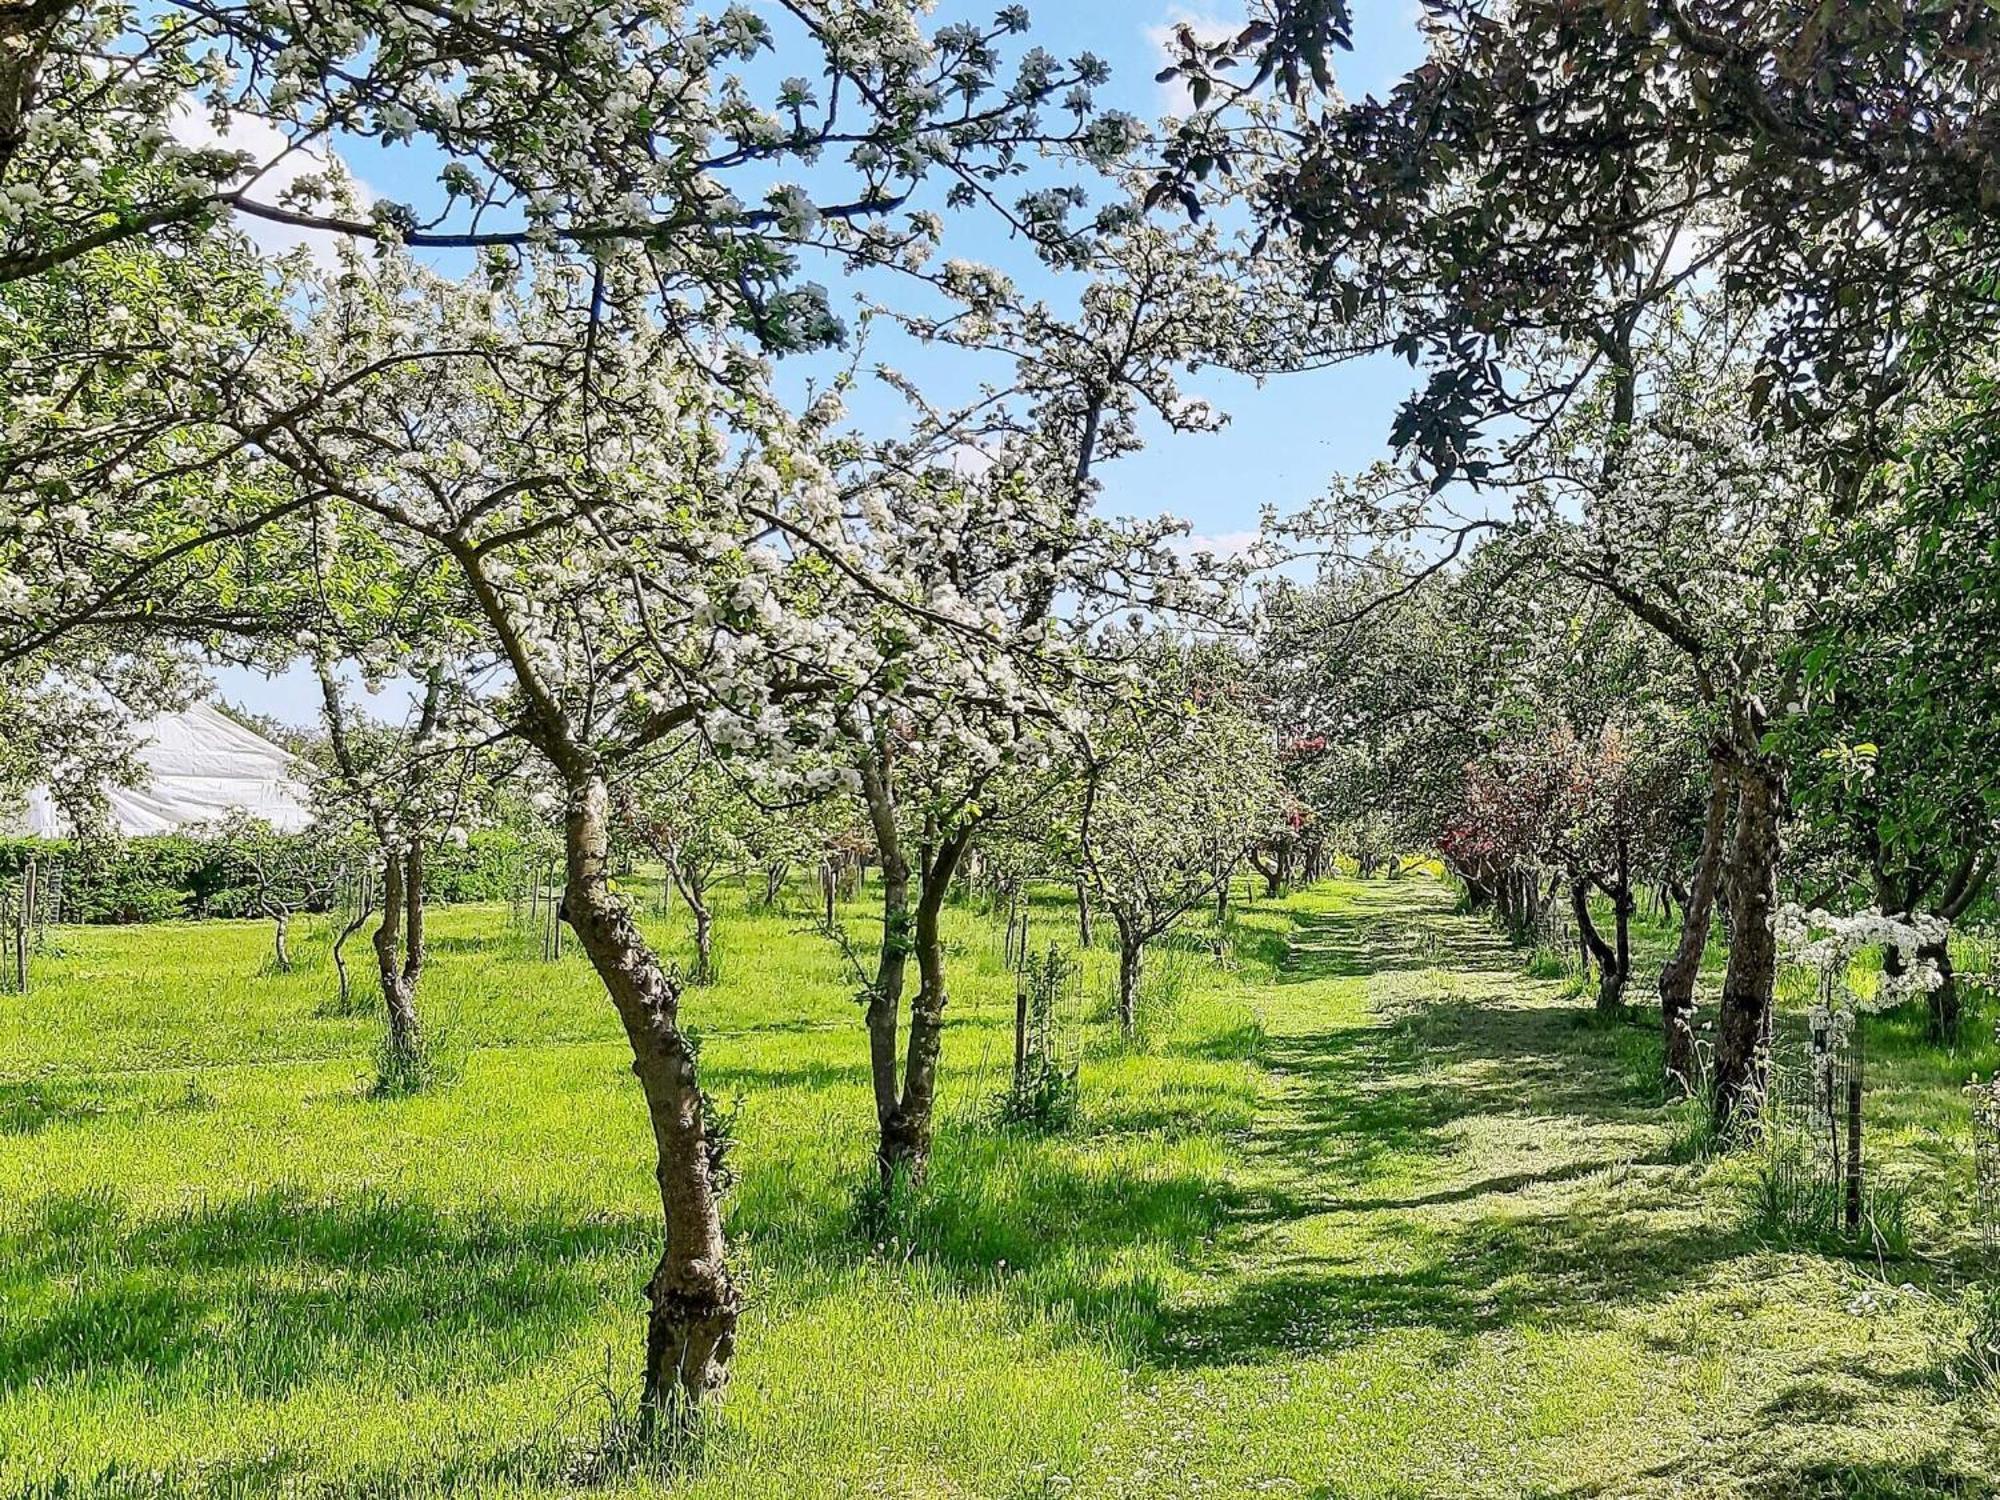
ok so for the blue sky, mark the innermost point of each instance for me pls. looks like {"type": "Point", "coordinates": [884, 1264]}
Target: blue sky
{"type": "Point", "coordinates": [1284, 439]}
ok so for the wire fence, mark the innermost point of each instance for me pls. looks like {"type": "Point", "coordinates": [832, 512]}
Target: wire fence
{"type": "Point", "coordinates": [1815, 1164]}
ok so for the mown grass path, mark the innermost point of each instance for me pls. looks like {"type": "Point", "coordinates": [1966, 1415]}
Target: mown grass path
{"type": "Point", "coordinates": [1461, 1262]}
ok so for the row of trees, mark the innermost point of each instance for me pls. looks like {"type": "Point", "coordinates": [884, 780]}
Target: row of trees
{"type": "Point", "coordinates": [1695, 289]}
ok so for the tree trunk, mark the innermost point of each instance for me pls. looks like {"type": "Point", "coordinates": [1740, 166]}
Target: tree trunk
{"type": "Point", "coordinates": [1273, 873]}
{"type": "Point", "coordinates": [1615, 967]}
{"type": "Point", "coordinates": [1945, 1008]}
{"type": "Point", "coordinates": [1083, 934]}
{"type": "Point", "coordinates": [1677, 980]}
{"type": "Point", "coordinates": [363, 907]}
{"type": "Point", "coordinates": [1610, 970]}
{"type": "Point", "coordinates": [689, 880]}
{"type": "Point", "coordinates": [704, 938]}
{"type": "Point", "coordinates": [1021, 983]}
{"type": "Point", "coordinates": [1965, 887]}
{"type": "Point", "coordinates": [398, 997]}
{"type": "Point", "coordinates": [281, 939]}
{"type": "Point", "coordinates": [1743, 1023]}
{"type": "Point", "coordinates": [906, 1138]}
{"type": "Point", "coordinates": [348, 928]}
{"type": "Point", "coordinates": [1131, 962]}
{"type": "Point", "coordinates": [691, 1324]}
{"type": "Point", "coordinates": [1621, 907]}
{"type": "Point", "coordinates": [1855, 1173]}
{"type": "Point", "coordinates": [414, 949]}
{"type": "Point", "coordinates": [885, 996]}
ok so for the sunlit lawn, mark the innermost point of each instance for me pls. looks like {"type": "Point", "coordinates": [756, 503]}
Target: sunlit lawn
{"type": "Point", "coordinates": [1375, 1216]}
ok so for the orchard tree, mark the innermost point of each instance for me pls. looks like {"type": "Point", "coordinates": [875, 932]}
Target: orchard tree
{"type": "Point", "coordinates": [1179, 778]}
{"type": "Point", "coordinates": [701, 824]}
{"type": "Point", "coordinates": [1901, 720]}
{"type": "Point", "coordinates": [286, 873]}
{"type": "Point", "coordinates": [988, 508]}
{"type": "Point", "coordinates": [410, 787]}
{"type": "Point", "coordinates": [567, 474]}
{"type": "Point", "coordinates": [1603, 840]}
{"type": "Point", "coordinates": [1689, 512]}
{"type": "Point", "coordinates": [1511, 812]}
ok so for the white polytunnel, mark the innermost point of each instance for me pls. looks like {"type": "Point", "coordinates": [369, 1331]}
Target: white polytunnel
{"type": "Point", "coordinates": [200, 765]}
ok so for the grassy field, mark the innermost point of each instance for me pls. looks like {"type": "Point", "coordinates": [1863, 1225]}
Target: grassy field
{"type": "Point", "coordinates": [1369, 1212]}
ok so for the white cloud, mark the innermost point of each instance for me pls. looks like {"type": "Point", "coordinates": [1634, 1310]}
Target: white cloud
{"type": "Point", "coordinates": [1207, 27]}
{"type": "Point", "coordinates": [275, 169]}
{"type": "Point", "coordinates": [1220, 544]}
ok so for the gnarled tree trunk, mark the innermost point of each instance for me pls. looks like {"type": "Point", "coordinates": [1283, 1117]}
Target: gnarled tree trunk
{"type": "Point", "coordinates": [1677, 980]}
{"type": "Point", "coordinates": [691, 1322]}
{"type": "Point", "coordinates": [1743, 1023]}
{"type": "Point", "coordinates": [1613, 961]}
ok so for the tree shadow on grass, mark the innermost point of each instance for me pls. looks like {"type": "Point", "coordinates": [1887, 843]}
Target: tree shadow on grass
{"type": "Point", "coordinates": [30, 1106]}
{"type": "Point", "coordinates": [279, 1287]}
{"type": "Point", "coordinates": [1392, 1101]}
{"type": "Point", "coordinates": [584, 1446]}
{"type": "Point", "coordinates": [1265, 949]}
{"type": "Point", "coordinates": [1570, 1269]}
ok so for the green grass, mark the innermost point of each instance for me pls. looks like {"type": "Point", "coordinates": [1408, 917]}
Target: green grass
{"type": "Point", "coordinates": [1368, 1212]}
